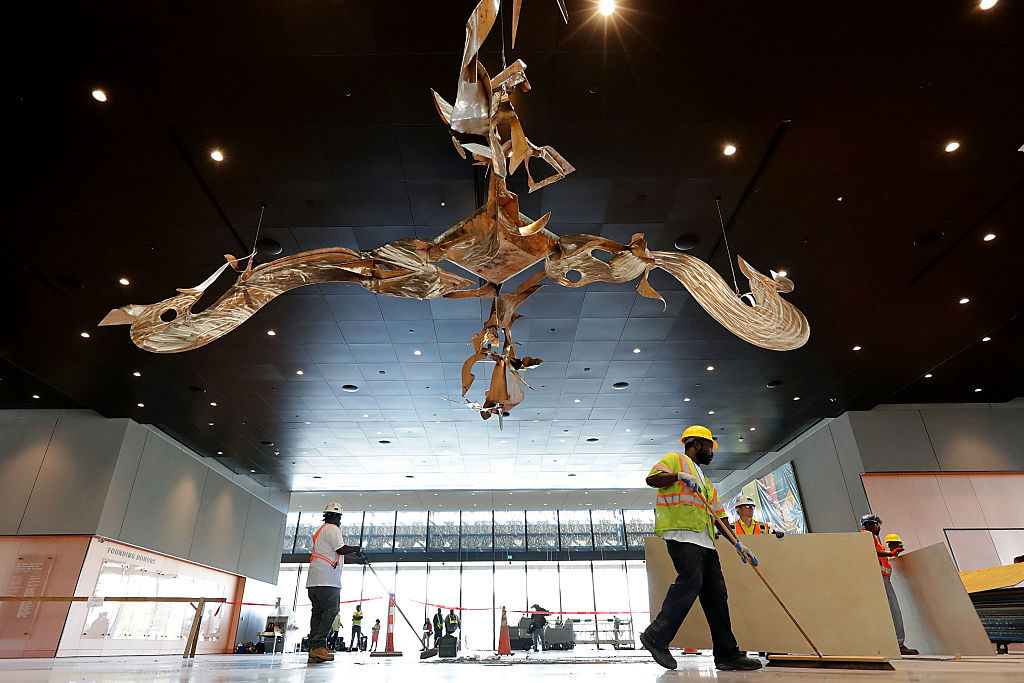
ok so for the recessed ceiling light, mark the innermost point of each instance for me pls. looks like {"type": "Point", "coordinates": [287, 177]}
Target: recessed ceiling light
{"type": "Point", "coordinates": [987, 4]}
{"type": "Point", "coordinates": [620, 385]}
{"type": "Point", "coordinates": [101, 96]}
{"type": "Point", "coordinates": [685, 400]}
{"type": "Point", "coordinates": [559, 441]}
{"type": "Point", "coordinates": [210, 423]}
{"type": "Point", "coordinates": [628, 429]}
{"type": "Point", "coordinates": [299, 372]}
{"type": "Point", "coordinates": [636, 350]}
{"type": "Point", "coordinates": [985, 339]}
{"type": "Point", "coordinates": [783, 273]}
{"type": "Point", "coordinates": [711, 412]}
{"type": "Point", "coordinates": [85, 335]}
{"type": "Point", "coordinates": [252, 471]}
{"type": "Point", "coordinates": [928, 376]}
{"type": "Point", "coordinates": [444, 203]}
{"type": "Point", "coordinates": [753, 429]}
{"type": "Point", "coordinates": [35, 395]}
{"type": "Point", "coordinates": [606, 7]}
{"type": "Point", "coordinates": [729, 150]}
{"type": "Point", "coordinates": [350, 388]}
{"type": "Point", "coordinates": [137, 374]}
{"type": "Point", "coordinates": [796, 398]}
{"type": "Point", "coordinates": [989, 237]}
{"type": "Point", "coordinates": [857, 348]}
{"type": "Point", "coordinates": [965, 300]}
{"type": "Point", "coordinates": [124, 281]}
{"type": "Point", "coordinates": [220, 452]}
{"type": "Point", "coordinates": [839, 198]}
{"type": "Point", "coordinates": [217, 155]}
{"type": "Point", "coordinates": [141, 405]}
{"type": "Point", "coordinates": [952, 146]}
{"type": "Point", "coordinates": [213, 403]}
{"type": "Point", "coordinates": [575, 400]}
{"type": "Point", "coordinates": [417, 352]}
{"type": "Point", "coordinates": [977, 390]}
{"type": "Point", "coordinates": [365, 415]}
{"type": "Point", "coordinates": [271, 333]}
{"type": "Point", "coordinates": [308, 422]}
{"type": "Point", "coordinates": [710, 368]}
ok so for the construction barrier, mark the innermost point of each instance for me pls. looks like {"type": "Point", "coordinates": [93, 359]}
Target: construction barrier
{"type": "Point", "coordinates": [389, 641]}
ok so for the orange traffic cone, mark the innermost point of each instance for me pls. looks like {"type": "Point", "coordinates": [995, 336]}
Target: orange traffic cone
{"type": "Point", "coordinates": [504, 642]}
{"type": "Point", "coordinates": [389, 642]}
{"type": "Point", "coordinates": [691, 651]}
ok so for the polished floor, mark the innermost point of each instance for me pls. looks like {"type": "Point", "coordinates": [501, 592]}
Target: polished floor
{"type": "Point", "coordinates": [614, 668]}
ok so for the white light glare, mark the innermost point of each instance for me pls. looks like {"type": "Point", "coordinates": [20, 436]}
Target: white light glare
{"type": "Point", "coordinates": [729, 150]}
{"type": "Point", "coordinates": [217, 155]}
{"type": "Point", "coordinates": [101, 96]}
{"type": "Point", "coordinates": [606, 7]}
{"type": "Point", "coordinates": [952, 146]}
{"type": "Point", "coordinates": [987, 4]}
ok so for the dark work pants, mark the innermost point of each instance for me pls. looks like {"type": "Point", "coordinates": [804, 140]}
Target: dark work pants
{"type": "Point", "coordinates": [699, 574]}
{"type": "Point", "coordinates": [437, 638]}
{"type": "Point", "coordinates": [325, 603]}
{"type": "Point", "coordinates": [357, 632]}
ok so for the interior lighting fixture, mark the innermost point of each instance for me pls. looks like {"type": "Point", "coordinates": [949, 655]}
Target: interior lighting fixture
{"type": "Point", "coordinates": [636, 350]}
{"type": "Point", "coordinates": [308, 422]}
{"type": "Point", "coordinates": [729, 150]}
{"type": "Point", "coordinates": [606, 7]}
{"type": "Point", "coordinates": [85, 335]}
{"type": "Point", "coordinates": [839, 198]}
{"type": "Point", "coordinates": [299, 372]}
{"type": "Point", "coordinates": [985, 339]}
{"type": "Point", "coordinates": [628, 429]}
{"type": "Point", "coordinates": [711, 412]}
{"type": "Point", "coordinates": [952, 146]}
{"type": "Point", "coordinates": [796, 398]}
{"type": "Point", "coordinates": [710, 368]}
{"type": "Point", "coordinates": [35, 395]}
{"type": "Point", "coordinates": [124, 281]}
{"type": "Point", "coordinates": [417, 352]}
{"type": "Point", "coordinates": [575, 400]}
{"type": "Point", "coordinates": [252, 471]}
{"type": "Point", "coordinates": [137, 374]}
{"type": "Point", "coordinates": [217, 155]}
{"type": "Point", "coordinates": [141, 405]}
{"type": "Point", "coordinates": [210, 423]}
{"type": "Point", "coordinates": [686, 400]}
{"type": "Point", "coordinates": [928, 376]}
{"type": "Point", "coordinates": [365, 415]}
{"type": "Point", "coordinates": [101, 96]}
{"type": "Point", "coordinates": [783, 273]}
{"type": "Point", "coordinates": [977, 390]}
{"type": "Point", "coordinates": [989, 237]}
{"type": "Point", "coordinates": [213, 403]}
{"type": "Point", "coordinates": [987, 4]}
{"type": "Point", "coordinates": [753, 429]}
{"type": "Point", "coordinates": [857, 348]}
{"type": "Point", "coordinates": [271, 333]}
{"type": "Point", "coordinates": [965, 300]}
{"type": "Point", "coordinates": [220, 452]}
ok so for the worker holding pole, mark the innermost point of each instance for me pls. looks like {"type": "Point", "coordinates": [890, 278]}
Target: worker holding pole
{"type": "Point", "coordinates": [323, 581]}
{"type": "Point", "coordinates": [684, 521]}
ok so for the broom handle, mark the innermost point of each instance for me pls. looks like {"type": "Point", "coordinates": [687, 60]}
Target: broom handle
{"type": "Point", "coordinates": [732, 539]}
{"type": "Point", "coordinates": [394, 602]}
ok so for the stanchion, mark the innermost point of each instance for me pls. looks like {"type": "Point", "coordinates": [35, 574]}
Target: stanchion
{"type": "Point", "coordinates": [504, 643]}
{"type": "Point", "coordinates": [389, 641]}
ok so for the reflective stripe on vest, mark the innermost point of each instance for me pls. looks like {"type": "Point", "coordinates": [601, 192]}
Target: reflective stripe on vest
{"type": "Point", "coordinates": [742, 530]}
{"type": "Point", "coordinates": [879, 548]}
{"type": "Point", "coordinates": [318, 556]}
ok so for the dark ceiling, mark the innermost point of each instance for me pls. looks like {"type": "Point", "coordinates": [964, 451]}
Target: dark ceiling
{"type": "Point", "coordinates": [324, 114]}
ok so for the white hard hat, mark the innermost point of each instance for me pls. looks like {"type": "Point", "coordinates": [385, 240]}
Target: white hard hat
{"type": "Point", "coordinates": [333, 507]}
{"type": "Point", "coordinates": [744, 500]}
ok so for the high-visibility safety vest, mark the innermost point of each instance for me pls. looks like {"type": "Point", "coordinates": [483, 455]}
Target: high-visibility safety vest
{"type": "Point", "coordinates": [453, 620]}
{"type": "Point", "coordinates": [742, 530]}
{"type": "Point", "coordinates": [679, 509]}
{"type": "Point", "coordinates": [879, 548]}
{"type": "Point", "coordinates": [438, 622]}
{"type": "Point", "coordinates": [357, 618]}
{"type": "Point", "coordinates": [317, 556]}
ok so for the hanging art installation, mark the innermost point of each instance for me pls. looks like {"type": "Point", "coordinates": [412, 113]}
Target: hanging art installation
{"type": "Point", "coordinates": [495, 242]}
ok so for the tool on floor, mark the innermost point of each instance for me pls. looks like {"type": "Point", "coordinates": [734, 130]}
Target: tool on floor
{"type": "Point", "coordinates": [819, 661]}
{"type": "Point", "coordinates": [426, 654]}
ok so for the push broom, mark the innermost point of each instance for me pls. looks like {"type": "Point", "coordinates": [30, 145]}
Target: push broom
{"type": "Point", "coordinates": [426, 654]}
{"type": "Point", "coordinates": [818, 661]}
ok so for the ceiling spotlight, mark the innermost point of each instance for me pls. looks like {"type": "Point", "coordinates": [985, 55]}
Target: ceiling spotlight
{"type": "Point", "coordinates": [299, 372]}
{"type": "Point", "coordinates": [213, 403]}
{"type": "Point", "coordinates": [220, 452]}
{"type": "Point", "coordinates": [984, 339]}
{"type": "Point", "coordinates": [575, 400]}
{"type": "Point", "coordinates": [636, 350]}
{"type": "Point", "coordinates": [987, 4]}
{"type": "Point", "coordinates": [559, 441]}
{"type": "Point", "coordinates": [710, 368]}
{"type": "Point", "coordinates": [952, 146]}
{"type": "Point", "coordinates": [85, 335]}
{"type": "Point", "coordinates": [839, 198]}
{"type": "Point", "coordinates": [606, 7]}
{"type": "Point", "coordinates": [740, 439]}
{"type": "Point", "coordinates": [796, 398]}
{"type": "Point", "coordinates": [977, 390]}
{"type": "Point", "coordinates": [444, 203]}
{"type": "Point", "coordinates": [124, 281]}
{"type": "Point", "coordinates": [35, 395]}
{"type": "Point", "coordinates": [417, 352]}
{"type": "Point", "coordinates": [753, 429]}
{"type": "Point", "coordinates": [210, 423]}
{"type": "Point", "coordinates": [783, 273]}
{"type": "Point", "coordinates": [928, 376]}
{"type": "Point", "coordinates": [350, 388]}
{"type": "Point", "coordinates": [141, 405]}
{"type": "Point", "coordinates": [711, 412]}
{"type": "Point", "coordinates": [137, 373]}
{"type": "Point", "coordinates": [857, 348]}
{"type": "Point", "coordinates": [365, 415]}
{"type": "Point", "coordinates": [729, 150]}
{"type": "Point", "coordinates": [271, 333]}
{"type": "Point", "coordinates": [989, 237]}
{"type": "Point", "coordinates": [965, 300]}
{"type": "Point", "coordinates": [101, 96]}
{"type": "Point", "coordinates": [686, 400]}
{"type": "Point", "coordinates": [252, 471]}
{"type": "Point", "coordinates": [308, 422]}
{"type": "Point", "coordinates": [217, 155]}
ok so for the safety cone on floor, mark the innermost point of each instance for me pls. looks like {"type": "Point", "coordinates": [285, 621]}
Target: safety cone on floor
{"type": "Point", "coordinates": [389, 641]}
{"type": "Point", "coordinates": [504, 642]}
{"type": "Point", "coordinates": [691, 651]}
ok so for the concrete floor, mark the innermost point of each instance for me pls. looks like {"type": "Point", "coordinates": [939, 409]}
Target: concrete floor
{"type": "Point", "coordinates": [613, 669]}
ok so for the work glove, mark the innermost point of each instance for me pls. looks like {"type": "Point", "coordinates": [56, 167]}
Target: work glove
{"type": "Point", "coordinates": [360, 556]}
{"type": "Point", "coordinates": [690, 482]}
{"type": "Point", "coordinates": [779, 533]}
{"type": "Point", "coordinates": [745, 553]}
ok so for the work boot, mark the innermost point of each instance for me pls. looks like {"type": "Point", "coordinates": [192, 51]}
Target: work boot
{"type": "Point", "coordinates": [661, 654]}
{"type": "Point", "coordinates": [904, 650]}
{"type": "Point", "coordinates": [738, 663]}
{"type": "Point", "coordinates": [319, 654]}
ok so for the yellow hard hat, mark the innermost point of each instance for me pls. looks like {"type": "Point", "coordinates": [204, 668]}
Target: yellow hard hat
{"type": "Point", "coordinates": [702, 432]}
{"type": "Point", "coordinates": [893, 537]}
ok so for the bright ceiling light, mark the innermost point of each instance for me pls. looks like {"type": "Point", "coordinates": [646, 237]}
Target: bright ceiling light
{"type": "Point", "coordinates": [35, 395]}
{"type": "Point", "coordinates": [987, 4]}
{"type": "Point", "coordinates": [928, 376]}
{"type": "Point", "coordinates": [217, 155]}
{"type": "Point", "coordinates": [839, 198]}
{"type": "Point", "coordinates": [710, 368]}
{"type": "Point", "coordinates": [417, 352]}
{"type": "Point", "coordinates": [989, 237]}
{"type": "Point", "coordinates": [575, 400]}
{"type": "Point", "coordinates": [141, 405]}
{"type": "Point", "coordinates": [137, 374]}
{"type": "Point", "coordinates": [952, 146]}
{"type": "Point", "coordinates": [965, 300]}
{"type": "Point", "coordinates": [729, 150]}
{"type": "Point", "coordinates": [365, 415]}
{"type": "Point", "coordinates": [977, 390]}
{"type": "Point", "coordinates": [210, 423]}
{"type": "Point", "coordinates": [85, 335]}
{"type": "Point", "coordinates": [308, 422]}
{"type": "Point", "coordinates": [213, 403]}
{"type": "Point", "coordinates": [711, 412]}
{"type": "Point", "coordinates": [986, 339]}
{"type": "Point", "coordinates": [252, 471]}
{"type": "Point", "coordinates": [796, 398]}
{"type": "Point", "coordinates": [271, 333]}
{"type": "Point", "coordinates": [636, 350]}
{"type": "Point", "coordinates": [101, 96]}
{"type": "Point", "coordinates": [783, 273]}
{"type": "Point", "coordinates": [124, 281]}
{"type": "Point", "coordinates": [606, 7]}
{"type": "Point", "coordinates": [753, 429]}
{"type": "Point", "coordinates": [857, 348]}
{"type": "Point", "coordinates": [220, 452]}
{"type": "Point", "coordinates": [299, 372]}
{"type": "Point", "coordinates": [628, 429]}
{"type": "Point", "coordinates": [686, 400]}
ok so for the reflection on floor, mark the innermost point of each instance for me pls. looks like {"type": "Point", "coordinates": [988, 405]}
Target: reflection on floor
{"type": "Point", "coordinates": [614, 668]}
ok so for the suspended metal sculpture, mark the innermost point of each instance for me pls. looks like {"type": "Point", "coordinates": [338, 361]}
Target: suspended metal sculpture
{"type": "Point", "coordinates": [496, 242]}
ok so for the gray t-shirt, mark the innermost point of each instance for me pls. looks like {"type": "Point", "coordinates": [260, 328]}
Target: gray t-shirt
{"type": "Point", "coordinates": [321, 573]}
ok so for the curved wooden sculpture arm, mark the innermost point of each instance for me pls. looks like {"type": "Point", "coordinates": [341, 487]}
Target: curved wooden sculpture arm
{"type": "Point", "coordinates": [400, 268]}
{"type": "Point", "coordinates": [773, 323]}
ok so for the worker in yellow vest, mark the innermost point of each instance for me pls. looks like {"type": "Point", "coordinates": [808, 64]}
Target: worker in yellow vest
{"type": "Point", "coordinates": [873, 525]}
{"type": "Point", "coordinates": [684, 522]}
{"type": "Point", "coordinates": [746, 524]}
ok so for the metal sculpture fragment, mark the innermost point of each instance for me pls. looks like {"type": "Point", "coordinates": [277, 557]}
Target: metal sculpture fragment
{"type": "Point", "coordinates": [495, 242]}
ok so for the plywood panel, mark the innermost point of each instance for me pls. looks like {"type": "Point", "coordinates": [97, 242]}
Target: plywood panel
{"type": "Point", "coordinates": [1001, 497]}
{"type": "Point", "coordinates": [1005, 576]}
{"type": "Point", "coordinates": [961, 501]}
{"type": "Point", "coordinates": [937, 612]}
{"type": "Point", "coordinates": [22, 447]}
{"type": "Point", "coordinates": [893, 440]}
{"type": "Point", "coordinates": [831, 582]}
{"type": "Point", "coordinates": [926, 508]}
{"type": "Point", "coordinates": [977, 439]}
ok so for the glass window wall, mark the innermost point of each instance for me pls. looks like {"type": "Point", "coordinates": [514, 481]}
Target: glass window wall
{"type": "Point", "coordinates": [609, 533]}
{"type": "Point", "coordinates": [379, 531]}
{"type": "Point", "coordinates": [476, 531]}
{"type": "Point", "coordinates": [411, 532]}
{"type": "Point", "coordinates": [574, 526]}
{"type": "Point", "coordinates": [443, 531]}
{"type": "Point", "coordinates": [509, 530]}
{"type": "Point", "coordinates": [541, 530]}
